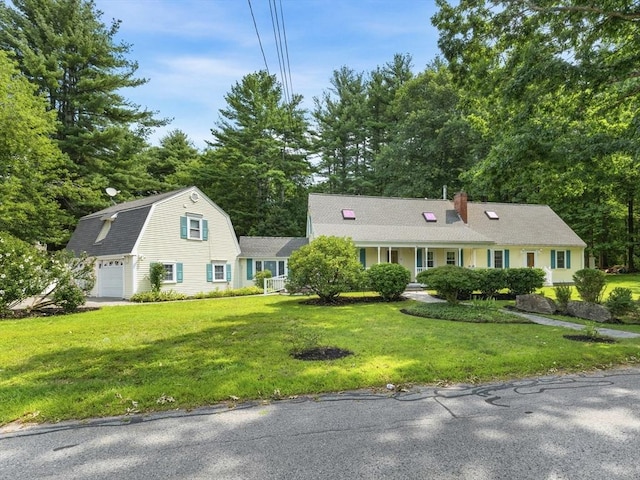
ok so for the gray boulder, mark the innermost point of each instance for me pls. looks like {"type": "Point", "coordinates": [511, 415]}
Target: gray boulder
{"type": "Point", "coordinates": [589, 311]}
{"type": "Point", "coordinates": [535, 303]}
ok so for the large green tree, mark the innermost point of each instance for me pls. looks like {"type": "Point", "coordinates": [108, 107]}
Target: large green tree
{"type": "Point", "coordinates": [434, 141]}
{"type": "Point", "coordinates": [63, 47]}
{"type": "Point", "coordinates": [556, 82]}
{"type": "Point", "coordinates": [32, 169]}
{"type": "Point", "coordinates": [257, 168]}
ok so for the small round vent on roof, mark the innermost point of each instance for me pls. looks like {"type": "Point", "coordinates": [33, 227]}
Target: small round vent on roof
{"type": "Point", "coordinates": [194, 197]}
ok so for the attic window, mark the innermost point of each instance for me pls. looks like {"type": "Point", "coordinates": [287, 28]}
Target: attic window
{"type": "Point", "coordinates": [429, 216]}
{"type": "Point", "coordinates": [491, 214]}
{"type": "Point", "coordinates": [348, 214]}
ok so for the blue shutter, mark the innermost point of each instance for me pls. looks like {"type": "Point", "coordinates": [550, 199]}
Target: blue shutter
{"type": "Point", "coordinates": [553, 259]}
{"type": "Point", "coordinates": [249, 268]}
{"type": "Point", "coordinates": [419, 258]}
{"type": "Point", "coordinates": [567, 259]}
{"type": "Point", "coordinates": [363, 257]}
{"type": "Point", "coordinates": [488, 258]}
{"type": "Point", "coordinates": [179, 276]}
{"type": "Point", "coordinates": [209, 272]}
{"type": "Point", "coordinates": [506, 258]}
{"type": "Point", "coordinates": [183, 227]}
{"type": "Point", "coordinates": [205, 229]}
{"type": "Point", "coordinates": [228, 272]}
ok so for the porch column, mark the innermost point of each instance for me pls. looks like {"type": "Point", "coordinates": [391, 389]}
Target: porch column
{"type": "Point", "coordinates": [415, 262]}
{"type": "Point", "coordinates": [460, 258]}
{"type": "Point", "coordinates": [378, 254]}
{"type": "Point", "coordinates": [426, 258]}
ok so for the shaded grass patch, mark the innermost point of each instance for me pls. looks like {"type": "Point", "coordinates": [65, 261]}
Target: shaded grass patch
{"type": "Point", "coordinates": [463, 313]}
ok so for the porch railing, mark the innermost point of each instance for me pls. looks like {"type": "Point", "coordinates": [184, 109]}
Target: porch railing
{"type": "Point", "coordinates": [274, 284]}
{"type": "Point", "coordinates": [548, 277]}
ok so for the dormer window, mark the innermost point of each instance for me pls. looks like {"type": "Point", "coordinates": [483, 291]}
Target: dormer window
{"type": "Point", "coordinates": [491, 214]}
{"type": "Point", "coordinates": [348, 214]}
{"type": "Point", "coordinates": [107, 220]}
{"type": "Point", "coordinates": [429, 216]}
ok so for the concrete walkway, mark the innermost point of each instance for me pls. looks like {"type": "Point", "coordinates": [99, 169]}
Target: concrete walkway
{"type": "Point", "coordinates": [608, 332]}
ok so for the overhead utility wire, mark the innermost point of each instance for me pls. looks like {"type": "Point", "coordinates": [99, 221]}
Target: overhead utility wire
{"type": "Point", "coordinates": [278, 40]}
{"type": "Point", "coordinates": [255, 25]}
{"type": "Point", "coordinates": [286, 47]}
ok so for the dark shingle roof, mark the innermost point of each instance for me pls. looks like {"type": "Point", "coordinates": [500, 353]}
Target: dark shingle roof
{"type": "Point", "coordinates": [124, 231]}
{"type": "Point", "coordinates": [270, 247]}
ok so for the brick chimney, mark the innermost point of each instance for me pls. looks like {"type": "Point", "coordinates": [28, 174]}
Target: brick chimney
{"type": "Point", "coordinates": [460, 204]}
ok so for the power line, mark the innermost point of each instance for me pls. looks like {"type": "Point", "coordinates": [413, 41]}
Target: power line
{"type": "Point", "coordinates": [255, 25]}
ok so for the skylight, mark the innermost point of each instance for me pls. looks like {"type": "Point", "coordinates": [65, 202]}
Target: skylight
{"type": "Point", "coordinates": [429, 216]}
{"type": "Point", "coordinates": [491, 214]}
{"type": "Point", "coordinates": [348, 214]}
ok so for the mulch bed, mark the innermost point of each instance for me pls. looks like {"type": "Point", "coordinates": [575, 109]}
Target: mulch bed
{"type": "Point", "coordinates": [340, 301]}
{"type": "Point", "coordinates": [45, 312]}
{"type": "Point", "coordinates": [588, 339]}
{"type": "Point", "coordinates": [322, 353]}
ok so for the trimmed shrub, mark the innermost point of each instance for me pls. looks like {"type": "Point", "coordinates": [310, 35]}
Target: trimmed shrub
{"type": "Point", "coordinates": [156, 276]}
{"type": "Point", "coordinates": [620, 301]}
{"type": "Point", "coordinates": [450, 281]}
{"type": "Point", "coordinates": [390, 280]}
{"type": "Point", "coordinates": [328, 266]}
{"type": "Point", "coordinates": [491, 281]}
{"type": "Point", "coordinates": [258, 280]}
{"type": "Point", "coordinates": [563, 294]}
{"type": "Point", "coordinates": [590, 284]}
{"type": "Point", "coordinates": [523, 281]}
{"type": "Point", "coordinates": [166, 296]}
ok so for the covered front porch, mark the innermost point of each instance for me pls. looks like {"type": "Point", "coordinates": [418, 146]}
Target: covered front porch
{"type": "Point", "coordinates": [417, 258]}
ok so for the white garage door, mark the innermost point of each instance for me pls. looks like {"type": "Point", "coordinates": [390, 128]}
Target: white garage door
{"type": "Point", "coordinates": [111, 278]}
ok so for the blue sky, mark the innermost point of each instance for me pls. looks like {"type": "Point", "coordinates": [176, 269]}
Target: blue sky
{"type": "Point", "coordinates": [194, 51]}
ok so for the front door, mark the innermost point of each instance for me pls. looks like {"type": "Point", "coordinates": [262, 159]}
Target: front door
{"type": "Point", "coordinates": [531, 259]}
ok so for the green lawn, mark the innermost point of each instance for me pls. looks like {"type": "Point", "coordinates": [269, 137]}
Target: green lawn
{"type": "Point", "coordinates": [187, 354]}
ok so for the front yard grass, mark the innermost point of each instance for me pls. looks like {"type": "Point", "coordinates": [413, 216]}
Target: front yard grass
{"type": "Point", "coordinates": [141, 358]}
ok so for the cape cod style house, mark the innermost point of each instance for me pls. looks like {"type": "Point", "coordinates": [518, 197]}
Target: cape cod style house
{"type": "Point", "coordinates": [195, 240]}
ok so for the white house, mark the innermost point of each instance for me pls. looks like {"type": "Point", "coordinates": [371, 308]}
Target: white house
{"type": "Point", "coordinates": [183, 230]}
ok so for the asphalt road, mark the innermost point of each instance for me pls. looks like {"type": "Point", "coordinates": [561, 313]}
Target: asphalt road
{"type": "Point", "coordinates": [565, 427]}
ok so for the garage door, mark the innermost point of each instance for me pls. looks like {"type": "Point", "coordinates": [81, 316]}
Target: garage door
{"type": "Point", "coordinates": [111, 278]}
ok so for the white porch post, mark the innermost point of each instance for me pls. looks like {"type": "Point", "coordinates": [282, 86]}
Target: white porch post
{"type": "Point", "coordinates": [426, 258]}
{"type": "Point", "coordinates": [460, 257]}
{"type": "Point", "coordinates": [378, 254]}
{"type": "Point", "coordinates": [415, 262]}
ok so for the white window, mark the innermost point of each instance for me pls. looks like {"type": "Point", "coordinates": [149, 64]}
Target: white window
{"type": "Point", "coordinates": [195, 228]}
{"type": "Point", "coordinates": [219, 274]}
{"type": "Point", "coordinates": [276, 267]}
{"type": "Point", "coordinates": [451, 258]}
{"type": "Point", "coordinates": [430, 262]}
{"type": "Point", "coordinates": [498, 259]}
{"type": "Point", "coordinates": [169, 272]}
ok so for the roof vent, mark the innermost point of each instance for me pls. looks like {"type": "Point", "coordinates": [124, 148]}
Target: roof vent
{"type": "Point", "coordinates": [491, 214]}
{"type": "Point", "coordinates": [429, 216]}
{"type": "Point", "coordinates": [348, 214]}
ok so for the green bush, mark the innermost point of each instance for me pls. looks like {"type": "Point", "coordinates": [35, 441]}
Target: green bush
{"type": "Point", "coordinates": [390, 280]}
{"type": "Point", "coordinates": [23, 271]}
{"type": "Point", "coordinates": [491, 281]}
{"type": "Point", "coordinates": [328, 266]}
{"type": "Point", "coordinates": [450, 281]}
{"type": "Point", "coordinates": [620, 301]}
{"type": "Point", "coordinates": [563, 294]}
{"type": "Point", "coordinates": [522, 281]}
{"type": "Point", "coordinates": [238, 292]}
{"type": "Point", "coordinates": [590, 284]}
{"type": "Point", "coordinates": [166, 296]}
{"type": "Point", "coordinates": [258, 280]}
{"type": "Point", "coordinates": [156, 276]}
{"type": "Point", "coordinates": [72, 279]}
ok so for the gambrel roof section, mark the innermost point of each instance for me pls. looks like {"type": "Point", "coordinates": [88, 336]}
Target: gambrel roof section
{"type": "Point", "coordinates": [123, 224]}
